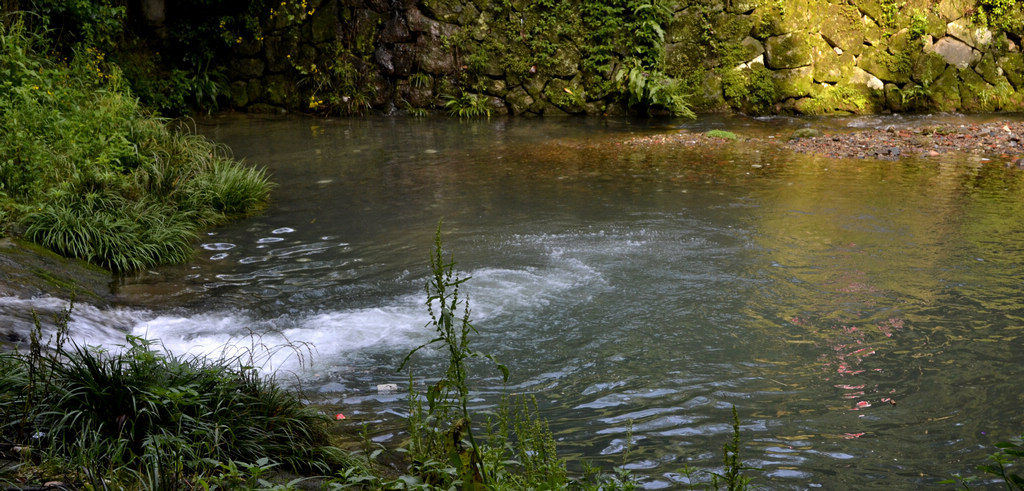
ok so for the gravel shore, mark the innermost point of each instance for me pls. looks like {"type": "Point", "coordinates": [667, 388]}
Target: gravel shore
{"type": "Point", "coordinates": [999, 141]}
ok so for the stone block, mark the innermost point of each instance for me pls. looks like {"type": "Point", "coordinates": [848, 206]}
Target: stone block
{"type": "Point", "coordinates": [988, 69]}
{"type": "Point", "coordinates": [860, 78]}
{"type": "Point", "coordinates": [928, 68]}
{"type": "Point", "coordinates": [951, 10]}
{"type": "Point", "coordinates": [872, 8]}
{"type": "Point", "coordinates": [844, 28]}
{"type": "Point", "coordinates": [752, 48]}
{"type": "Point", "coordinates": [396, 30]}
{"type": "Point", "coordinates": [936, 27]}
{"type": "Point", "coordinates": [885, 65]}
{"type": "Point", "coordinates": [944, 92]}
{"type": "Point", "coordinates": [432, 57]}
{"type": "Point", "coordinates": [956, 52]}
{"type": "Point", "coordinates": [794, 82]}
{"type": "Point", "coordinates": [791, 50]}
{"type": "Point", "coordinates": [246, 68]}
{"type": "Point", "coordinates": [741, 6]}
{"type": "Point", "coordinates": [971, 35]}
{"type": "Point", "coordinates": [975, 93]}
{"type": "Point", "coordinates": [1013, 68]}
{"type": "Point", "coordinates": [832, 68]}
{"type": "Point", "coordinates": [442, 10]}
{"type": "Point", "coordinates": [731, 27]}
{"type": "Point", "coordinates": [238, 94]}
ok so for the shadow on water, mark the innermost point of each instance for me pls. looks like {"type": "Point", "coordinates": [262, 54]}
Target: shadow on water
{"type": "Point", "coordinates": [861, 315]}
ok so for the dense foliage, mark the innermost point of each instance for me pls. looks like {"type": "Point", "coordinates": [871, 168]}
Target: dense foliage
{"type": "Point", "coordinates": [88, 173]}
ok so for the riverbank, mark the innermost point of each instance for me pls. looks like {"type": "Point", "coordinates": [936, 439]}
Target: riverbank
{"type": "Point", "coordinates": [1000, 141]}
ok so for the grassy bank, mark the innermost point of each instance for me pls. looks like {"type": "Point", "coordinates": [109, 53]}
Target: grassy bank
{"type": "Point", "coordinates": [86, 172]}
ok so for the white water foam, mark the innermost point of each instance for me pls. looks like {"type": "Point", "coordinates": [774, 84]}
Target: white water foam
{"type": "Point", "coordinates": [331, 335]}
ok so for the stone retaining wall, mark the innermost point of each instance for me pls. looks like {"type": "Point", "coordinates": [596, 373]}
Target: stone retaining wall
{"type": "Point", "coordinates": [759, 56]}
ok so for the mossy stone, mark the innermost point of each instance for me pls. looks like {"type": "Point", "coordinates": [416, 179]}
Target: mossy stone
{"type": "Point", "coordinates": [801, 15]}
{"type": "Point", "coordinates": [944, 92]}
{"type": "Point", "coordinates": [975, 93]}
{"type": "Point", "coordinates": [972, 35]}
{"type": "Point", "coordinates": [246, 68]}
{"type": "Point", "coordinates": [278, 51]}
{"type": "Point", "coordinates": [752, 48]}
{"type": "Point", "coordinates": [791, 50]}
{"type": "Point", "coordinates": [443, 10]}
{"type": "Point", "coordinates": [766, 21]}
{"type": "Point", "coordinates": [988, 70]}
{"type": "Point", "coordinates": [566, 95]}
{"type": "Point", "coordinates": [936, 27]}
{"type": "Point", "coordinates": [565, 63]}
{"type": "Point", "coordinates": [951, 10]}
{"type": "Point", "coordinates": [494, 86]}
{"type": "Point", "coordinates": [928, 68]}
{"type": "Point", "coordinates": [884, 65]}
{"type": "Point", "coordinates": [860, 78]}
{"type": "Point", "coordinates": [238, 94]}
{"type": "Point", "coordinates": [323, 25]}
{"type": "Point", "coordinates": [432, 57]}
{"type": "Point", "coordinates": [873, 8]}
{"type": "Point", "coordinates": [900, 41]}
{"type": "Point", "coordinates": [894, 97]}
{"type": "Point", "coordinates": [873, 34]}
{"type": "Point", "coordinates": [519, 100]}
{"type": "Point", "coordinates": [684, 47]}
{"type": "Point", "coordinates": [280, 90]}
{"type": "Point", "coordinates": [1013, 68]}
{"type": "Point", "coordinates": [30, 270]}
{"type": "Point", "coordinates": [712, 98]}
{"type": "Point", "coordinates": [805, 133]}
{"type": "Point", "coordinates": [833, 68]}
{"type": "Point", "coordinates": [535, 86]}
{"type": "Point", "coordinates": [794, 82]}
{"type": "Point", "coordinates": [956, 52]}
{"type": "Point", "coordinates": [741, 6]}
{"type": "Point", "coordinates": [468, 16]}
{"type": "Point", "coordinates": [843, 28]}
{"type": "Point", "coordinates": [731, 27]}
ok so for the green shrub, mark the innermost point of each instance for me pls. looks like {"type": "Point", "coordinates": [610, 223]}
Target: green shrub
{"type": "Point", "coordinates": [467, 106]}
{"type": "Point", "coordinates": [88, 173]}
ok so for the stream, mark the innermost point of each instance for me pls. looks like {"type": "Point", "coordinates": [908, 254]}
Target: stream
{"type": "Point", "coordinates": [863, 316]}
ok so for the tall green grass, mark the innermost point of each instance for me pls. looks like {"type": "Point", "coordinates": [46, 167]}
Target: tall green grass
{"type": "Point", "coordinates": [144, 419]}
{"type": "Point", "coordinates": [87, 172]}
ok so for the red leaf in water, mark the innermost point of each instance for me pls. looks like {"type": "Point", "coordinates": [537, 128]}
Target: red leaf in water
{"type": "Point", "coordinates": [850, 436]}
{"type": "Point", "coordinates": [861, 404]}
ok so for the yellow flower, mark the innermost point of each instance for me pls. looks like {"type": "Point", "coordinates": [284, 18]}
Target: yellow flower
{"type": "Point", "coordinates": [239, 40]}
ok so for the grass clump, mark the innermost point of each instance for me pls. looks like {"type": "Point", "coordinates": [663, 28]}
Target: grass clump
{"type": "Point", "coordinates": [88, 173]}
{"type": "Point", "coordinates": [726, 135]}
{"type": "Point", "coordinates": [144, 419]}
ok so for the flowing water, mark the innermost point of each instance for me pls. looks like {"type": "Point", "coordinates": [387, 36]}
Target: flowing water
{"type": "Point", "coordinates": [863, 317]}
